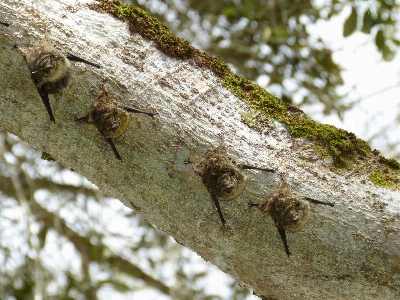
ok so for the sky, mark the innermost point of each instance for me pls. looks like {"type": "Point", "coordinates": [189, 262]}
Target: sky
{"type": "Point", "coordinates": [364, 69]}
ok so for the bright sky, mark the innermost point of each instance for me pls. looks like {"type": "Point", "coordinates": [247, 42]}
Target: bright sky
{"type": "Point", "coordinates": [365, 70]}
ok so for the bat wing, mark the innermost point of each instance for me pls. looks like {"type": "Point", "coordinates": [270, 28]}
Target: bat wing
{"type": "Point", "coordinates": [282, 233]}
{"type": "Point", "coordinates": [216, 202]}
{"type": "Point", "coordinates": [46, 101]}
{"type": "Point", "coordinates": [72, 57]}
{"type": "Point", "coordinates": [111, 143]}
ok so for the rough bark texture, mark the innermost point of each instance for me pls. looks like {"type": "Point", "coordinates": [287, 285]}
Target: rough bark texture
{"type": "Point", "coordinates": [350, 251]}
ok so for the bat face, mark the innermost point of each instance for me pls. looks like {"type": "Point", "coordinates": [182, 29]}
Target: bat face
{"type": "Point", "coordinates": [110, 118]}
{"type": "Point", "coordinates": [221, 176]}
{"type": "Point", "coordinates": [289, 210]}
{"type": "Point", "coordinates": [50, 69]}
{"type": "Point", "coordinates": [230, 183]}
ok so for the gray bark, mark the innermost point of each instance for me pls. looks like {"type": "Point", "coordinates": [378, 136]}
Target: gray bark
{"type": "Point", "coordinates": [349, 251]}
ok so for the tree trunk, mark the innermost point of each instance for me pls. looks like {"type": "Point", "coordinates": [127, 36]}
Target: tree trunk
{"type": "Point", "coordinates": [351, 250]}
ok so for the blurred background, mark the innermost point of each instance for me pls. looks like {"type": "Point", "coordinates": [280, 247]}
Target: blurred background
{"type": "Point", "coordinates": [61, 238]}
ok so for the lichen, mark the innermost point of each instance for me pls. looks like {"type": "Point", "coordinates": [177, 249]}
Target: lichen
{"type": "Point", "coordinates": [378, 205]}
{"type": "Point", "coordinates": [257, 120]}
{"type": "Point", "coordinates": [343, 147]}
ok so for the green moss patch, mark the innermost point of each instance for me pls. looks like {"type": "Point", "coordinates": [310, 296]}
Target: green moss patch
{"type": "Point", "coordinates": [47, 156]}
{"type": "Point", "coordinates": [140, 22]}
{"type": "Point", "coordinates": [384, 178]}
{"type": "Point", "coordinates": [392, 163]}
{"type": "Point", "coordinates": [345, 149]}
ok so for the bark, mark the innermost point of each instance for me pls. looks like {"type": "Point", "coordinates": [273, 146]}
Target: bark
{"type": "Point", "coordinates": [349, 251]}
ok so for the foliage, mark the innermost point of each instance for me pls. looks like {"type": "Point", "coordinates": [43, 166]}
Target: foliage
{"type": "Point", "coordinates": [62, 238]}
{"type": "Point", "coordinates": [379, 19]}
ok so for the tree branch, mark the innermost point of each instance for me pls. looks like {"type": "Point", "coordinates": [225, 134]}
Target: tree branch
{"type": "Point", "coordinates": [348, 251]}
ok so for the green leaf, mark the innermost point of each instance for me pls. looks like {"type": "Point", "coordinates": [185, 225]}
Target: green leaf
{"type": "Point", "coordinates": [279, 32]}
{"type": "Point", "coordinates": [396, 42]}
{"type": "Point", "coordinates": [368, 22]}
{"type": "Point", "coordinates": [388, 54]}
{"type": "Point", "coordinates": [351, 23]}
{"type": "Point", "coordinates": [380, 40]}
{"type": "Point", "coordinates": [229, 11]}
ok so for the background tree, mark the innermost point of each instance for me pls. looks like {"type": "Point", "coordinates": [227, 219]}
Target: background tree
{"type": "Point", "coordinates": [61, 238]}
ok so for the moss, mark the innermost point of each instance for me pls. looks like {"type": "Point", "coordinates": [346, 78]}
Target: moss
{"type": "Point", "coordinates": [337, 143]}
{"type": "Point", "coordinates": [140, 22]}
{"type": "Point", "coordinates": [47, 156]}
{"type": "Point", "coordinates": [394, 164]}
{"type": "Point", "coordinates": [345, 149]}
{"type": "Point", "coordinates": [384, 178]}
